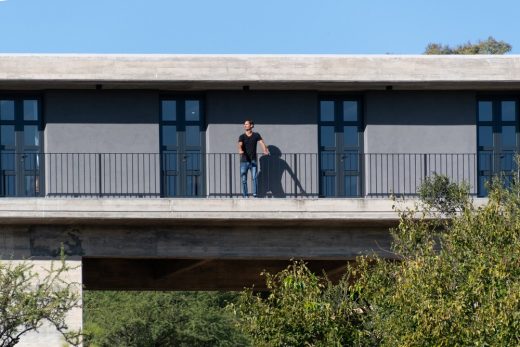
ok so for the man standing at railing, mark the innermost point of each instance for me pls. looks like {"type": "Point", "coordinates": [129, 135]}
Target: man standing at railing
{"type": "Point", "coordinates": [247, 150]}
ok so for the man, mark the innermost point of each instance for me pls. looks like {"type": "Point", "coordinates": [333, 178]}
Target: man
{"type": "Point", "coordinates": [247, 150]}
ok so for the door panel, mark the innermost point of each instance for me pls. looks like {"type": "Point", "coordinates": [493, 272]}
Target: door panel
{"type": "Point", "coordinates": [498, 140]}
{"type": "Point", "coordinates": [340, 135]}
{"type": "Point", "coordinates": [182, 147]}
{"type": "Point", "coordinates": [20, 147]}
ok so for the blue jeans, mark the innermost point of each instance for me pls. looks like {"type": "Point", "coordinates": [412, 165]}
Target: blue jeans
{"type": "Point", "coordinates": [244, 166]}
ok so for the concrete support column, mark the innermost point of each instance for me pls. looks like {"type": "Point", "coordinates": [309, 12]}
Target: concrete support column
{"type": "Point", "coordinates": [17, 246]}
{"type": "Point", "coordinates": [47, 335]}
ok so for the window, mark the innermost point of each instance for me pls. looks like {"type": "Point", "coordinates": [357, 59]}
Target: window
{"type": "Point", "coordinates": [340, 146]}
{"type": "Point", "coordinates": [497, 139]}
{"type": "Point", "coordinates": [20, 146]}
{"type": "Point", "coordinates": [182, 146]}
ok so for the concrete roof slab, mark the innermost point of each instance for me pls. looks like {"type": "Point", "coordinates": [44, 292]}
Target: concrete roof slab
{"type": "Point", "coordinates": [287, 71]}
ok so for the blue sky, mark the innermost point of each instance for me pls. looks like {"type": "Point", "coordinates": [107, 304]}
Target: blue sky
{"type": "Point", "coordinates": [252, 26]}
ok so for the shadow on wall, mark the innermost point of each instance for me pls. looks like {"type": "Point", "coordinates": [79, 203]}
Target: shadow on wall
{"type": "Point", "coordinates": [271, 176]}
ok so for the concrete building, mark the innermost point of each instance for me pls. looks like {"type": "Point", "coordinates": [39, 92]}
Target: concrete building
{"type": "Point", "coordinates": [130, 160]}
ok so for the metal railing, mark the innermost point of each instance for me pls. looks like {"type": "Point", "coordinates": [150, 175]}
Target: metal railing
{"type": "Point", "coordinates": [193, 174]}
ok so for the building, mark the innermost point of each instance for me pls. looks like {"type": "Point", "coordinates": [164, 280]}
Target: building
{"type": "Point", "coordinates": [130, 160]}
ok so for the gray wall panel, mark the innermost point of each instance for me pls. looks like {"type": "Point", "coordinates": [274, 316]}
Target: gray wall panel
{"type": "Point", "coordinates": [285, 119]}
{"type": "Point", "coordinates": [418, 122]}
{"type": "Point", "coordinates": [102, 122]}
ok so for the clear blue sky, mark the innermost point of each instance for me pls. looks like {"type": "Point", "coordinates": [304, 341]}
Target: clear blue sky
{"type": "Point", "coordinates": [252, 26]}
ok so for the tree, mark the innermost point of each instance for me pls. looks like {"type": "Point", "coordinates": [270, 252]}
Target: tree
{"type": "Point", "coordinates": [454, 286]}
{"type": "Point", "coordinates": [489, 46]}
{"type": "Point", "coordinates": [438, 194]}
{"type": "Point", "coordinates": [149, 318]}
{"type": "Point", "coordinates": [27, 300]}
{"type": "Point", "coordinates": [300, 309]}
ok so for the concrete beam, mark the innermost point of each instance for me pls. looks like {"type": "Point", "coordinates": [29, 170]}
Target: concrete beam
{"type": "Point", "coordinates": [96, 211]}
{"type": "Point", "coordinates": [293, 71]}
{"type": "Point", "coordinates": [218, 241]}
{"type": "Point", "coordinates": [203, 211]}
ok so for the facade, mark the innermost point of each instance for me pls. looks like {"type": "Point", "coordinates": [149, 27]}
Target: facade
{"type": "Point", "coordinates": [130, 161]}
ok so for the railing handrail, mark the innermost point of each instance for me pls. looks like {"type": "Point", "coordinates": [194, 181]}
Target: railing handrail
{"type": "Point", "coordinates": [361, 153]}
{"type": "Point", "coordinates": [292, 174]}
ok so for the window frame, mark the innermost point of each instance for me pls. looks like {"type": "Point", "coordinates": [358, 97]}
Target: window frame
{"type": "Point", "coordinates": [496, 123]}
{"type": "Point", "coordinates": [340, 147]}
{"type": "Point", "coordinates": [19, 148]}
{"type": "Point", "coordinates": [181, 147]}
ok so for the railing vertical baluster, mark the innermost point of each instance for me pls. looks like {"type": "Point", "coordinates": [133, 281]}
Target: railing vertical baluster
{"type": "Point", "coordinates": [100, 173]}
{"type": "Point", "coordinates": [446, 164]}
{"type": "Point", "coordinates": [34, 175]}
{"type": "Point", "coordinates": [388, 170]}
{"type": "Point", "coordinates": [314, 173]}
{"type": "Point", "coordinates": [212, 171]}
{"type": "Point", "coordinates": [66, 173]}
{"type": "Point", "coordinates": [219, 181]}
{"type": "Point", "coordinates": [72, 173]}
{"type": "Point", "coordinates": [90, 174]}
{"type": "Point", "coordinates": [53, 157]}
{"type": "Point", "coordinates": [230, 160]}
{"type": "Point", "coordinates": [409, 174]}
{"type": "Point", "coordinates": [399, 187]}
{"type": "Point", "coordinates": [382, 173]}
{"type": "Point", "coordinates": [78, 176]}
{"type": "Point", "coordinates": [424, 167]}
{"type": "Point", "coordinates": [222, 169]}
{"type": "Point", "coordinates": [120, 174]}
{"type": "Point", "coordinates": [109, 182]}
{"type": "Point", "coordinates": [154, 175]}
{"type": "Point", "coordinates": [142, 192]}
{"type": "Point", "coordinates": [128, 175]}
{"type": "Point", "coordinates": [452, 175]}
{"type": "Point", "coordinates": [368, 174]}
{"type": "Point", "coordinates": [83, 191]}
{"type": "Point", "coordinates": [414, 189]}
{"type": "Point", "coordinates": [132, 186]}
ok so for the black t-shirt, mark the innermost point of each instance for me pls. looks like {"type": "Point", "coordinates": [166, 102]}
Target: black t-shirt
{"type": "Point", "coordinates": [249, 146]}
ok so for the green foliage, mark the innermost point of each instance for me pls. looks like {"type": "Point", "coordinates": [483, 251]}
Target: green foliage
{"type": "Point", "coordinates": [301, 309]}
{"type": "Point", "coordinates": [489, 46]}
{"type": "Point", "coordinates": [452, 283]}
{"type": "Point", "coordinates": [439, 194]}
{"type": "Point", "coordinates": [420, 227]}
{"type": "Point", "coordinates": [459, 288]}
{"type": "Point", "coordinates": [160, 319]}
{"type": "Point", "coordinates": [28, 299]}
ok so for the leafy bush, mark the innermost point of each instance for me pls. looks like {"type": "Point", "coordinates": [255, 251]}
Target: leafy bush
{"type": "Point", "coordinates": [160, 319]}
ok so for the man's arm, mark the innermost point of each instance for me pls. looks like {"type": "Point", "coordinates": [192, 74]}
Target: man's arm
{"type": "Point", "coordinates": [264, 146]}
{"type": "Point", "coordinates": [240, 146]}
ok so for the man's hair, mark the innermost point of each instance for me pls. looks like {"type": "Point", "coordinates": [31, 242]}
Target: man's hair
{"type": "Point", "coordinates": [250, 122]}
